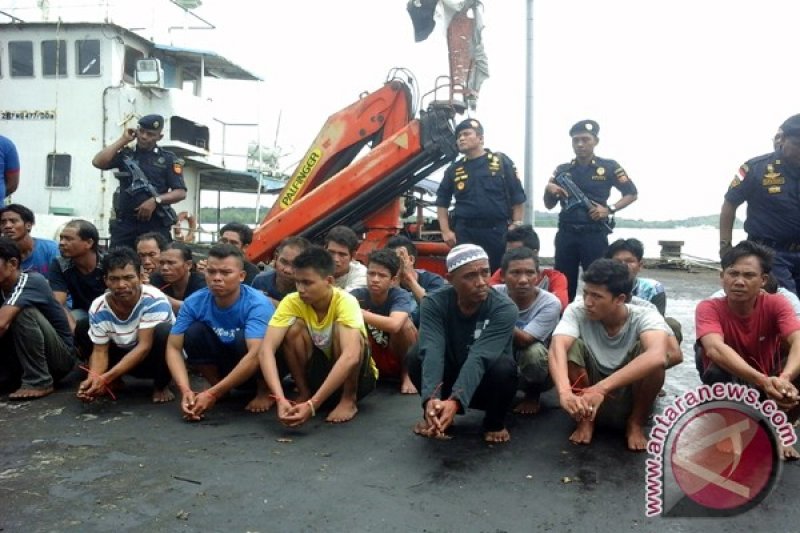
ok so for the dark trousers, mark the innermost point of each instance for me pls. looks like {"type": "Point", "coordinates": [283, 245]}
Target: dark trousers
{"type": "Point", "coordinates": [492, 238]}
{"type": "Point", "coordinates": [578, 248]}
{"type": "Point", "coordinates": [31, 351]}
{"type": "Point", "coordinates": [203, 347]}
{"type": "Point", "coordinates": [154, 366]}
{"type": "Point", "coordinates": [714, 374]}
{"type": "Point", "coordinates": [125, 231]}
{"type": "Point", "coordinates": [494, 395]}
{"type": "Point", "coordinates": [786, 269]}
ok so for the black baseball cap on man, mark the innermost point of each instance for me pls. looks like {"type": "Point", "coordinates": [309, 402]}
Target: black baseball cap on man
{"type": "Point", "coordinates": [151, 122]}
{"type": "Point", "coordinates": [584, 126]}
{"type": "Point", "coordinates": [469, 123]}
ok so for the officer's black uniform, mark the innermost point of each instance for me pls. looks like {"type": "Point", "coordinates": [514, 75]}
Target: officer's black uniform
{"type": "Point", "coordinates": [580, 240]}
{"type": "Point", "coordinates": [485, 189]}
{"type": "Point", "coordinates": [164, 170]}
{"type": "Point", "coordinates": [771, 189]}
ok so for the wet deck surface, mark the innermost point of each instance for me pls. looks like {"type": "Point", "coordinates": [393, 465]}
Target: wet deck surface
{"type": "Point", "coordinates": [133, 466]}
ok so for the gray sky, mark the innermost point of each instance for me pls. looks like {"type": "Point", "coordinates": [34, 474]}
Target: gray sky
{"type": "Point", "coordinates": [684, 90]}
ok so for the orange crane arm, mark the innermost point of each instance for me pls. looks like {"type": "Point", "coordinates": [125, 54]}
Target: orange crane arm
{"type": "Point", "coordinates": [373, 117]}
{"type": "Point", "coordinates": [363, 188]}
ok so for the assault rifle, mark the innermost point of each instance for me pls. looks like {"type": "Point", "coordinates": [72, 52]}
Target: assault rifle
{"type": "Point", "coordinates": [140, 182]}
{"type": "Point", "coordinates": [578, 199]}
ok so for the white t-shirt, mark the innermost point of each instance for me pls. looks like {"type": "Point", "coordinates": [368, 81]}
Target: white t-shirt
{"type": "Point", "coordinates": [356, 277]}
{"type": "Point", "coordinates": [609, 352]}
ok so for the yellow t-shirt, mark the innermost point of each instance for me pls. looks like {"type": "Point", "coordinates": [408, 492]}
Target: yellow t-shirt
{"type": "Point", "coordinates": [343, 310]}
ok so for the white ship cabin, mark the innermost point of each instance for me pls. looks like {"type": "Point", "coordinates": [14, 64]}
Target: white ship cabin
{"type": "Point", "coordinates": [68, 89]}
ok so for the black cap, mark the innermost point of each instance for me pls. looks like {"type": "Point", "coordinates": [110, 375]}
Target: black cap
{"type": "Point", "coordinates": [469, 123]}
{"type": "Point", "coordinates": [151, 122]}
{"type": "Point", "coordinates": [585, 126]}
{"type": "Point", "coordinates": [791, 126]}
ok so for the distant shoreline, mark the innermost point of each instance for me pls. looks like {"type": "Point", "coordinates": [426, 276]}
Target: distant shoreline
{"type": "Point", "coordinates": [246, 215]}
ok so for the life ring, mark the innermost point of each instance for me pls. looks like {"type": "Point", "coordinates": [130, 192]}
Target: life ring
{"type": "Point", "coordinates": [191, 228]}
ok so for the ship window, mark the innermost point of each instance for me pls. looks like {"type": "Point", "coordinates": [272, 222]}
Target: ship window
{"type": "Point", "coordinates": [54, 58]}
{"type": "Point", "coordinates": [87, 55]}
{"type": "Point", "coordinates": [132, 55]}
{"type": "Point", "coordinates": [59, 167]}
{"type": "Point", "coordinates": [20, 57]}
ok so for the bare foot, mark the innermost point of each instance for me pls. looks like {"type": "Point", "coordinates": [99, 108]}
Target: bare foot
{"type": "Point", "coordinates": [343, 412]}
{"type": "Point", "coordinates": [497, 436]}
{"type": "Point", "coordinates": [407, 387]}
{"type": "Point", "coordinates": [788, 453]}
{"type": "Point", "coordinates": [29, 393]}
{"type": "Point", "coordinates": [637, 441]}
{"type": "Point", "coordinates": [163, 395]}
{"type": "Point", "coordinates": [260, 404]}
{"type": "Point", "coordinates": [528, 406]}
{"type": "Point", "coordinates": [583, 433]}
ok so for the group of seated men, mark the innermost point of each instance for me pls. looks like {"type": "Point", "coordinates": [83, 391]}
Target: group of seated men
{"type": "Point", "coordinates": [319, 316]}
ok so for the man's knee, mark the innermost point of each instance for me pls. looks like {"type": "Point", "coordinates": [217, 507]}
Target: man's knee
{"type": "Point", "coordinates": [196, 344]}
{"type": "Point", "coordinates": [160, 336]}
{"type": "Point", "coordinates": [503, 370]}
{"type": "Point", "coordinates": [676, 328]}
{"type": "Point", "coordinates": [533, 364]}
{"type": "Point", "coordinates": [403, 340]}
{"type": "Point", "coordinates": [297, 332]}
{"type": "Point", "coordinates": [712, 373]}
{"type": "Point", "coordinates": [29, 317]}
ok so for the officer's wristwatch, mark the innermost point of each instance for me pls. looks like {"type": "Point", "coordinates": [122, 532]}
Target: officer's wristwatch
{"type": "Point", "coordinates": [612, 209]}
{"type": "Point", "coordinates": [158, 200]}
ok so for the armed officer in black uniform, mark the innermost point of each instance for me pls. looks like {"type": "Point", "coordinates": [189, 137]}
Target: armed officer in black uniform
{"type": "Point", "coordinates": [770, 184]}
{"type": "Point", "coordinates": [488, 193]}
{"type": "Point", "coordinates": [139, 211]}
{"type": "Point", "coordinates": [583, 233]}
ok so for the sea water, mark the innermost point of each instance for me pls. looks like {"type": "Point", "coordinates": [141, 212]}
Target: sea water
{"type": "Point", "coordinates": [698, 241]}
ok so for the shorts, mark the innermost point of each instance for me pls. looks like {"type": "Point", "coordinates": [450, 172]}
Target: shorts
{"type": "Point", "coordinates": [320, 365]}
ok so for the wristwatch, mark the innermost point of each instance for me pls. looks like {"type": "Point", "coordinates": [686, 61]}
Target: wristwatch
{"type": "Point", "coordinates": [158, 200]}
{"type": "Point", "coordinates": [612, 209]}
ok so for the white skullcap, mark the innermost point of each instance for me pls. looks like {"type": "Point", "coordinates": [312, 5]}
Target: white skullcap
{"type": "Point", "coordinates": [463, 254]}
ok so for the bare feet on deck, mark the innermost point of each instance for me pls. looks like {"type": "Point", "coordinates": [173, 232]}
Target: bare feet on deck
{"type": "Point", "coordinates": [407, 386]}
{"type": "Point", "coordinates": [788, 453]}
{"type": "Point", "coordinates": [634, 434]}
{"type": "Point", "coordinates": [345, 411]}
{"type": "Point", "coordinates": [583, 433]}
{"type": "Point", "coordinates": [29, 393]}
{"type": "Point", "coordinates": [528, 406]}
{"type": "Point", "coordinates": [260, 404]}
{"type": "Point", "coordinates": [163, 395]}
{"type": "Point", "coordinates": [496, 437]}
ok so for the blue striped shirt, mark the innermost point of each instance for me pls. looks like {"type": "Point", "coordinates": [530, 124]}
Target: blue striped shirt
{"type": "Point", "coordinates": [152, 309]}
